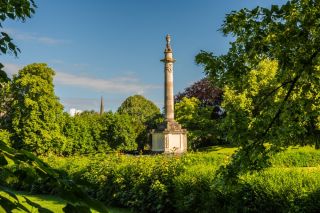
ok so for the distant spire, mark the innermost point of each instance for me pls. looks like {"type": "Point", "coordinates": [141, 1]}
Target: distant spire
{"type": "Point", "coordinates": [101, 106]}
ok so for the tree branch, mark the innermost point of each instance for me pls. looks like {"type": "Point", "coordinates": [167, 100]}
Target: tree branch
{"type": "Point", "coordinates": [266, 96]}
{"type": "Point", "coordinates": [292, 85]}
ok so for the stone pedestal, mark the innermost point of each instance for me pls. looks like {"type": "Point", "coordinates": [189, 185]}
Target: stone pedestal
{"type": "Point", "coordinates": [169, 138]}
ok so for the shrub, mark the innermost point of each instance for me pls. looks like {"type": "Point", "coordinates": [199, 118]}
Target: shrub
{"type": "Point", "coordinates": [189, 183]}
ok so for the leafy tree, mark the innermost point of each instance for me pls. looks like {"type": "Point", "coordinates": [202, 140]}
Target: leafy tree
{"type": "Point", "coordinates": [288, 107]}
{"type": "Point", "coordinates": [84, 133]}
{"type": "Point", "coordinates": [144, 115]}
{"type": "Point", "coordinates": [202, 130]}
{"type": "Point", "coordinates": [77, 131]}
{"type": "Point", "coordinates": [36, 112]}
{"type": "Point", "coordinates": [118, 131]}
{"type": "Point", "coordinates": [196, 108]}
{"type": "Point", "coordinates": [204, 91]}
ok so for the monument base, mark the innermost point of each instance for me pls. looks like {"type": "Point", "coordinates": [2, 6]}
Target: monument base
{"type": "Point", "coordinates": [169, 138]}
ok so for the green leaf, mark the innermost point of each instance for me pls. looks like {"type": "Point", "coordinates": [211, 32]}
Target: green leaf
{"type": "Point", "coordinates": [11, 15]}
{"type": "Point", "coordinates": [12, 46]}
{"type": "Point", "coordinates": [4, 34]}
{"type": "Point", "coordinates": [3, 49]}
{"type": "Point", "coordinates": [3, 161]}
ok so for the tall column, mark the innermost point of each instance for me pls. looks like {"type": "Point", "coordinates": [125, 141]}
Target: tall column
{"type": "Point", "coordinates": [168, 81]}
{"type": "Point", "coordinates": [169, 137]}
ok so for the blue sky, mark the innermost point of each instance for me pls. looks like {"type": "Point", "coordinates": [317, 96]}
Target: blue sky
{"type": "Point", "coordinates": [112, 48]}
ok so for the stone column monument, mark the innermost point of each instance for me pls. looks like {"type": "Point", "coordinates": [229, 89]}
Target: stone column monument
{"type": "Point", "coordinates": [169, 137]}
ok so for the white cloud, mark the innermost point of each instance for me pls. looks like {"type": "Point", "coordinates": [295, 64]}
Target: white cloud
{"type": "Point", "coordinates": [48, 40]}
{"type": "Point", "coordinates": [121, 84]}
{"type": "Point", "coordinates": [114, 85]}
{"type": "Point", "coordinates": [34, 37]}
{"type": "Point", "coordinates": [11, 68]}
{"type": "Point", "coordinates": [80, 103]}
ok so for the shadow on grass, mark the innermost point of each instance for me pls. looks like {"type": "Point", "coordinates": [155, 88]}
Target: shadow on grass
{"type": "Point", "coordinates": [56, 204]}
{"type": "Point", "coordinates": [216, 148]}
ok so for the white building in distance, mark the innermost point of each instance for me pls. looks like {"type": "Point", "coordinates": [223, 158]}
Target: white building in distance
{"type": "Point", "coordinates": [74, 111]}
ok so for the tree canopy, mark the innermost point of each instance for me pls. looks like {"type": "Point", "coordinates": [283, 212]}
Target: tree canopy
{"type": "Point", "coordinates": [196, 118]}
{"type": "Point", "coordinates": [139, 107]}
{"type": "Point", "coordinates": [287, 106]}
{"type": "Point", "coordinates": [35, 112]}
{"type": "Point", "coordinates": [143, 114]}
{"type": "Point", "coordinates": [204, 90]}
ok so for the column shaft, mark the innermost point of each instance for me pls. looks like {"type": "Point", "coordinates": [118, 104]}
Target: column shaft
{"type": "Point", "coordinates": [169, 99]}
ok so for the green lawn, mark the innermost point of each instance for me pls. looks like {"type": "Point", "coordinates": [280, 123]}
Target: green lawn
{"type": "Point", "coordinates": [52, 203]}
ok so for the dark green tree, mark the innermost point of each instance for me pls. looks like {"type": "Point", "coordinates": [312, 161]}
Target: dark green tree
{"type": "Point", "coordinates": [118, 131]}
{"type": "Point", "coordinates": [36, 112]}
{"type": "Point", "coordinates": [286, 110]}
{"type": "Point", "coordinates": [84, 133]}
{"type": "Point", "coordinates": [144, 115]}
{"type": "Point", "coordinates": [196, 118]}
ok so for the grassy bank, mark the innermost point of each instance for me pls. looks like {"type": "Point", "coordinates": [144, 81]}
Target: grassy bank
{"type": "Point", "coordinates": [47, 202]}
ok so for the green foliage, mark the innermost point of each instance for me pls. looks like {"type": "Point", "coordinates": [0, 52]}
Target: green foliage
{"type": "Point", "coordinates": [5, 136]}
{"type": "Point", "coordinates": [32, 171]}
{"type": "Point", "coordinates": [280, 107]}
{"type": "Point", "coordinates": [5, 102]}
{"type": "Point", "coordinates": [83, 133]}
{"type": "Point", "coordinates": [202, 130]}
{"type": "Point", "coordinates": [9, 201]}
{"type": "Point", "coordinates": [35, 112]}
{"type": "Point", "coordinates": [142, 183]}
{"type": "Point", "coordinates": [143, 114]}
{"type": "Point", "coordinates": [140, 108]}
{"type": "Point", "coordinates": [242, 122]}
{"type": "Point", "coordinates": [20, 10]}
{"type": "Point", "coordinates": [90, 132]}
{"type": "Point", "coordinates": [296, 157]}
{"type": "Point", "coordinates": [119, 131]}
{"type": "Point", "coordinates": [191, 183]}
{"type": "Point", "coordinates": [3, 77]}
{"type": "Point", "coordinates": [30, 111]}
